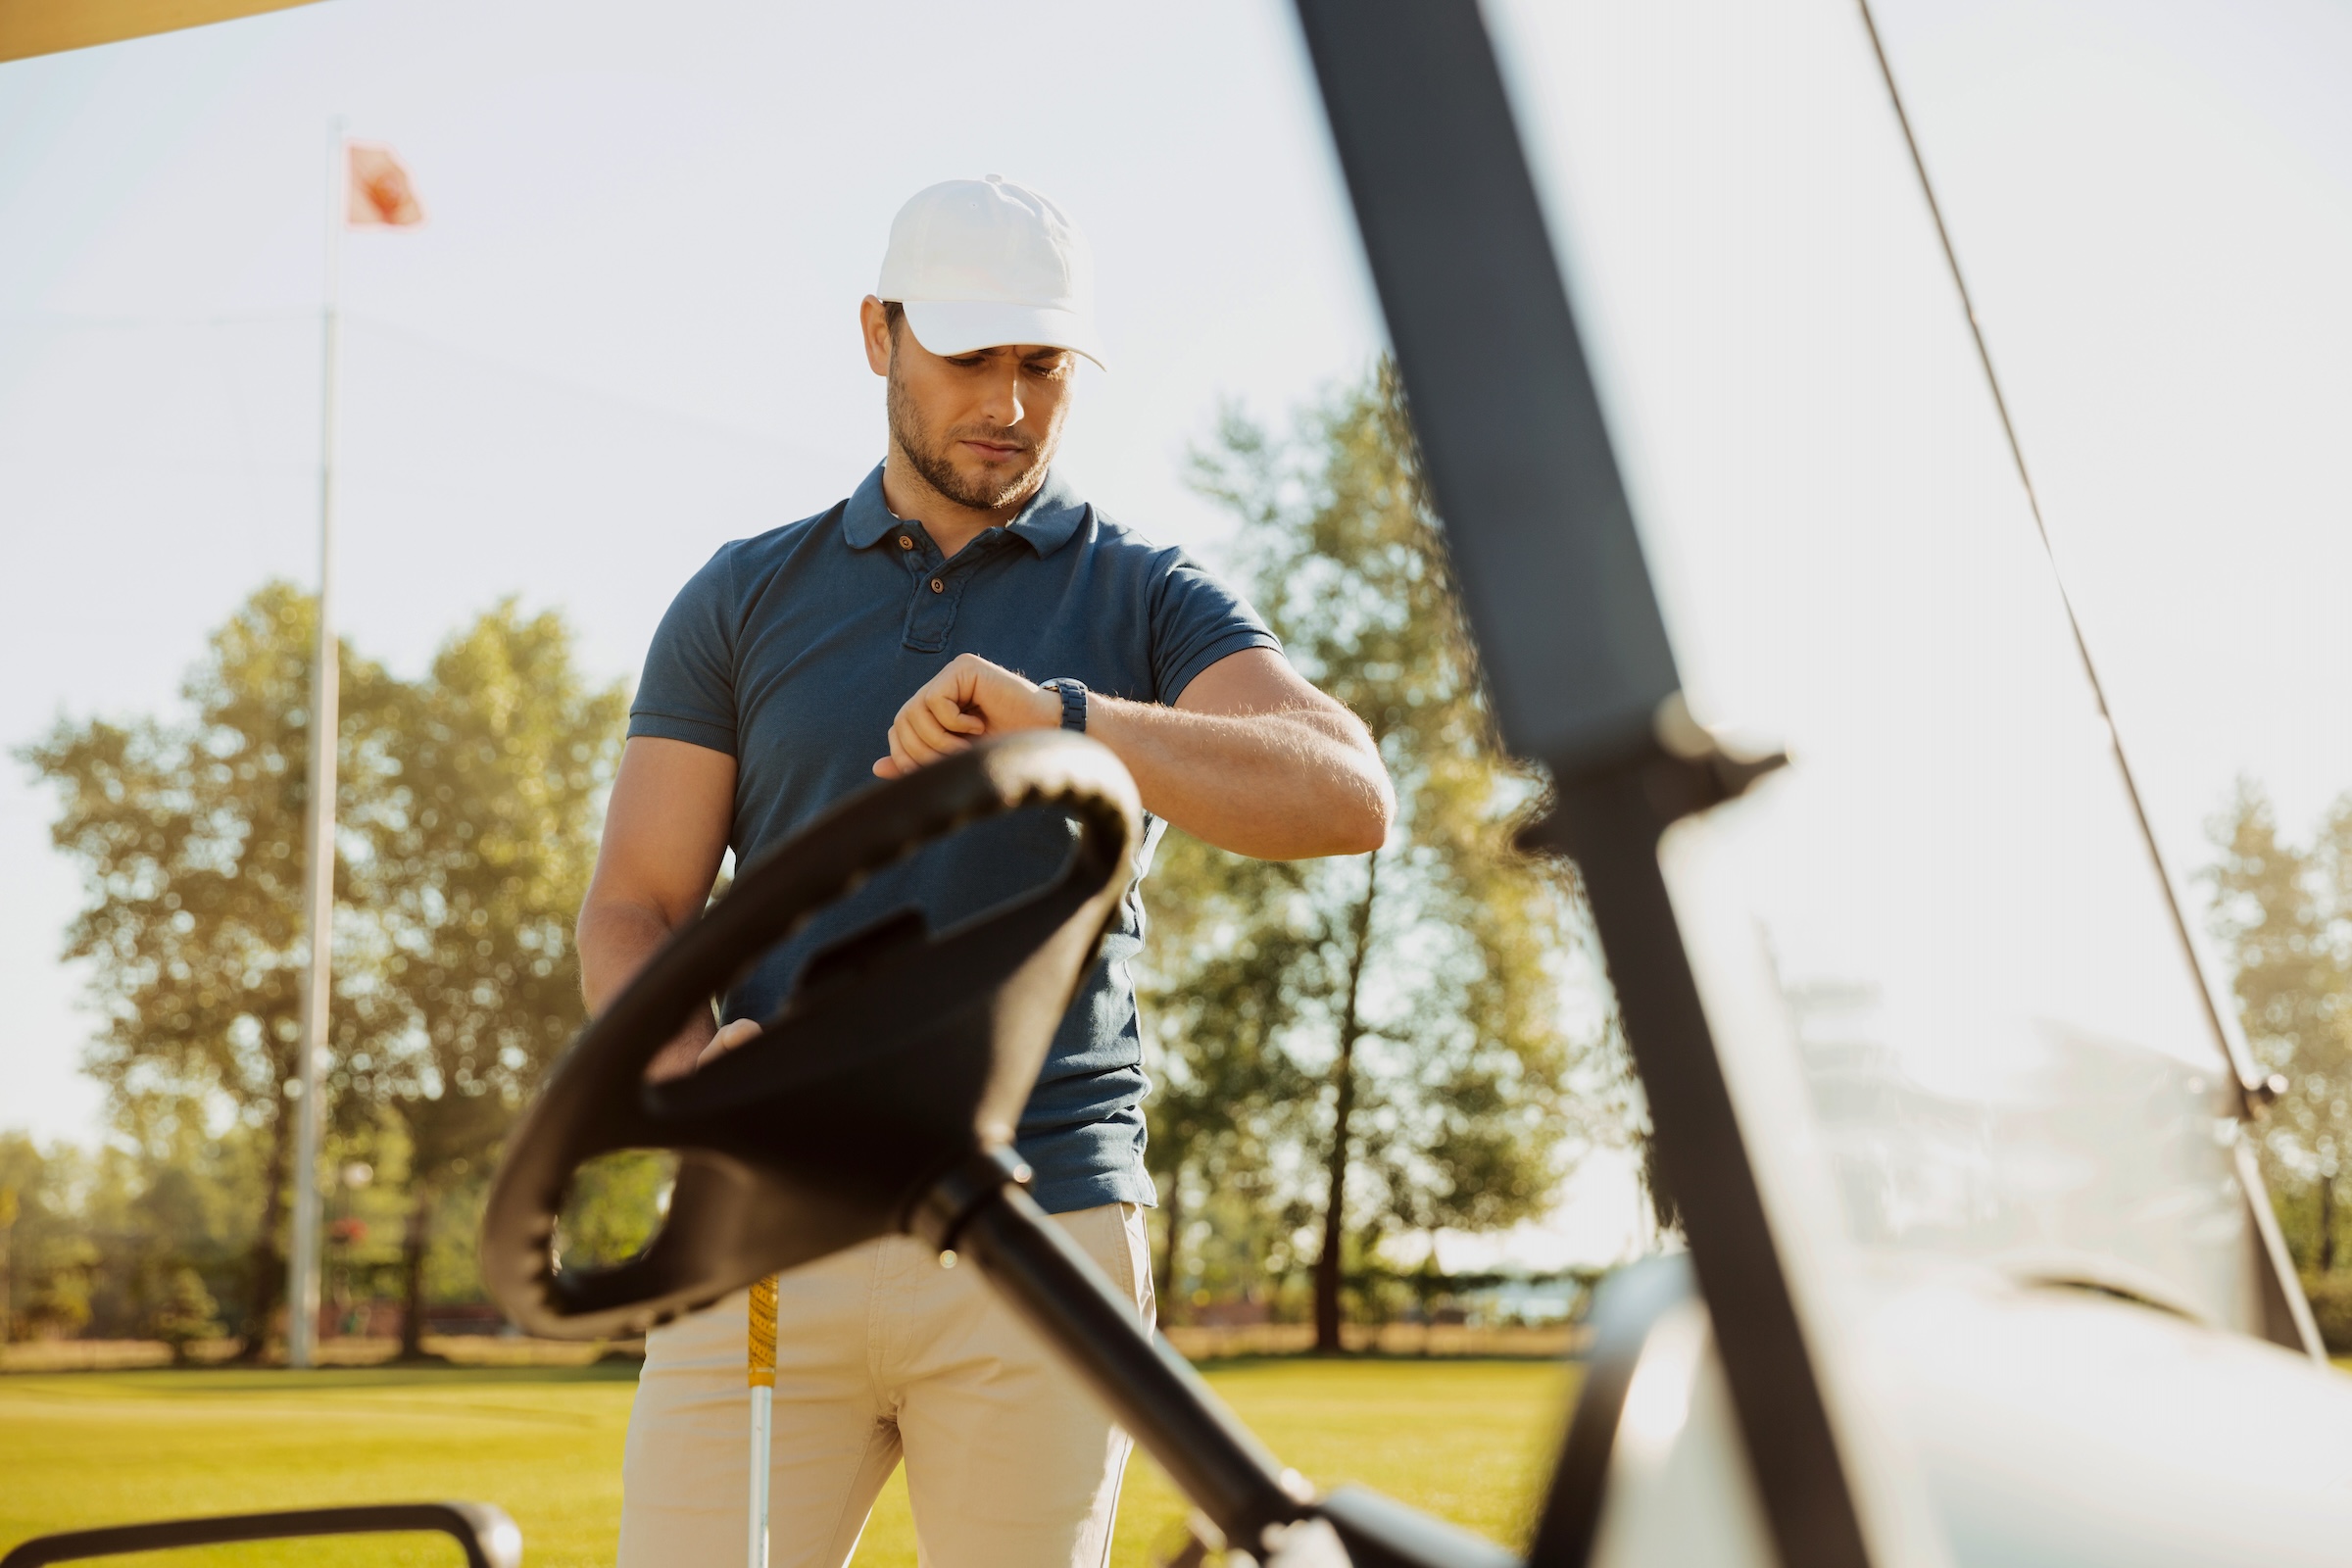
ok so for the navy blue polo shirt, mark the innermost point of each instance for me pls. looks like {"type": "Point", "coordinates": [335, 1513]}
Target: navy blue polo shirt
{"type": "Point", "coordinates": [792, 652]}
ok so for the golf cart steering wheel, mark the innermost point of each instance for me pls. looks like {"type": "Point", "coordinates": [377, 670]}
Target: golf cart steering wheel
{"type": "Point", "coordinates": [882, 1096]}
{"type": "Point", "coordinates": [900, 1055]}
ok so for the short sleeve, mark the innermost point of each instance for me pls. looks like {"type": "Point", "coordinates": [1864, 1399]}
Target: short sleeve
{"type": "Point", "coordinates": [1196, 619]}
{"type": "Point", "coordinates": [688, 690]}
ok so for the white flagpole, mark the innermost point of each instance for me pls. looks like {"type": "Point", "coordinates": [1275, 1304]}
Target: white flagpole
{"type": "Point", "coordinates": [319, 900]}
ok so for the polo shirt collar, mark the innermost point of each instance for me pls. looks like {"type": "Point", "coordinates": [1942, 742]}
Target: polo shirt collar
{"type": "Point", "coordinates": [1051, 516]}
{"type": "Point", "coordinates": [1047, 523]}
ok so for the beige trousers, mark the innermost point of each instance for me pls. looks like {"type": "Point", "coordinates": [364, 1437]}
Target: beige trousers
{"type": "Point", "coordinates": [881, 1353]}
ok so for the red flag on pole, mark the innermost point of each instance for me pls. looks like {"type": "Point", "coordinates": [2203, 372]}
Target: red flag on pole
{"type": "Point", "coordinates": [380, 193]}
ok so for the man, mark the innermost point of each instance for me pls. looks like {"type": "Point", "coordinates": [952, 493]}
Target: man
{"type": "Point", "coordinates": [896, 629]}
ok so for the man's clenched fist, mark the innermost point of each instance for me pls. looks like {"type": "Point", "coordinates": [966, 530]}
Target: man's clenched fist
{"type": "Point", "coordinates": [963, 702]}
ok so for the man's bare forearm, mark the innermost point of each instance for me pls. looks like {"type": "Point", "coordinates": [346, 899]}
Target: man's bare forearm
{"type": "Point", "coordinates": [665, 834]}
{"type": "Point", "coordinates": [1282, 785]}
{"type": "Point", "coordinates": [1251, 758]}
{"type": "Point", "coordinates": [616, 940]}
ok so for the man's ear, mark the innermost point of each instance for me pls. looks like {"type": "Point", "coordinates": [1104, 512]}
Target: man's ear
{"type": "Point", "coordinates": [873, 323]}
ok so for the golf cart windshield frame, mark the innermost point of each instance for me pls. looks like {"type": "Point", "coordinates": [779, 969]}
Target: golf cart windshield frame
{"type": "Point", "coordinates": [1574, 647]}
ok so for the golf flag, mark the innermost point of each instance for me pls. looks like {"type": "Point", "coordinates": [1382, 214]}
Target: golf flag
{"type": "Point", "coordinates": [379, 193]}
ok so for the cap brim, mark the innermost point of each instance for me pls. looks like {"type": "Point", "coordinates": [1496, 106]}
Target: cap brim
{"type": "Point", "coordinates": [960, 326]}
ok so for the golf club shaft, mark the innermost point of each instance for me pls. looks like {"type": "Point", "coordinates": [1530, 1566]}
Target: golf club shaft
{"type": "Point", "coordinates": [763, 1409]}
{"type": "Point", "coordinates": [760, 1366]}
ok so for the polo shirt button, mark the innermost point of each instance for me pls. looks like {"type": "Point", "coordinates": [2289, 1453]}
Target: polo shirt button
{"type": "Point", "coordinates": [905, 543]}
{"type": "Point", "coordinates": [938, 587]}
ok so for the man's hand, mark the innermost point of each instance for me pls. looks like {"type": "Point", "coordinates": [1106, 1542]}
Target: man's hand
{"type": "Point", "coordinates": [963, 702]}
{"type": "Point", "coordinates": [1251, 758]}
{"type": "Point", "coordinates": [696, 1045]}
{"type": "Point", "coordinates": [727, 1039]}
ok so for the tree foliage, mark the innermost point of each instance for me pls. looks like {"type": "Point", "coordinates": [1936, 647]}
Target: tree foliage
{"type": "Point", "coordinates": [190, 838]}
{"type": "Point", "coordinates": [126, 1242]}
{"type": "Point", "coordinates": [1383, 1043]}
{"type": "Point", "coordinates": [2284, 915]}
{"type": "Point", "coordinates": [479, 856]}
{"type": "Point", "coordinates": [45, 1260]}
{"type": "Point", "coordinates": [467, 805]}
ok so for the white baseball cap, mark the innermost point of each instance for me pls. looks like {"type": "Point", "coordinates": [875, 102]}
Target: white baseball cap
{"type": "Point", "coordinates": [982, 262]}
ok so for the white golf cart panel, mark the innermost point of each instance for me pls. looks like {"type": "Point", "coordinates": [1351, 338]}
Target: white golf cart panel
{"type": "Point", "coordinates": [2055, 1429]}
{"type": "Point", "coordinates": [1679, 1486]}
{"type": "Point", "coordinates": [2006, 1051]}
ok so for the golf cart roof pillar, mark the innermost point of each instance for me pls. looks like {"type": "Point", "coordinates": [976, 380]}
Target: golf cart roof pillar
{"type": "Point", "coordinates": [1574, 648]}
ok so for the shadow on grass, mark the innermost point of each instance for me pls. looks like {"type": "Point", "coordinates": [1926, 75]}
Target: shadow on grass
{"type": "Point", "coordinates": [209, 1381]}
{"type": "Point", "coordinates": [1336, 1358]}
{"type": "Point", "coordinates": [231, 1378]}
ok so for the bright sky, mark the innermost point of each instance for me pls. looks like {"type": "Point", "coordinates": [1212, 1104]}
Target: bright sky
{"type": "Point", "coordinates": [2153, 201]}
{"type": "Point", "coordinates": [627, 335]}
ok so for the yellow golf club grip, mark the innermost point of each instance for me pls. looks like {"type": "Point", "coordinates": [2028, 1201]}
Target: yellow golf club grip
{"type": "Point", "coordinates": [763, 1341]}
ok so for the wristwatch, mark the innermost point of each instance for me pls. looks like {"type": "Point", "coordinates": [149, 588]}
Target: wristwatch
{"type": "Point", "coordinates": [1073, 701]}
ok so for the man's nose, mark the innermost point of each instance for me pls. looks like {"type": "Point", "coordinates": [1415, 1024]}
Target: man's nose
{"type": "Point", "coordinates": [1002, 402]}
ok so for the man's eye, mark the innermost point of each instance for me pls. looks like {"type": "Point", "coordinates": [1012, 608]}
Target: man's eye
{"type": "Point", "coordinates": [966, 362]}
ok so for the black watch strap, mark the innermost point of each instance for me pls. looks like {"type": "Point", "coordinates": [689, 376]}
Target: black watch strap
{"type": "Point", "coordinates": [1073, 701]}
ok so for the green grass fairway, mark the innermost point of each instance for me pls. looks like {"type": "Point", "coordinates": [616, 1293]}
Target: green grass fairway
{"type": "Point", "coordinates": [1468, 1439]}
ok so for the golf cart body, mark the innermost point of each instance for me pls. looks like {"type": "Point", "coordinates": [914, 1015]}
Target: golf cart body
{"type": "Point", "coordinates": [2047, 1427]}
{"type": "Point", "coordinates": [1979, 1267]}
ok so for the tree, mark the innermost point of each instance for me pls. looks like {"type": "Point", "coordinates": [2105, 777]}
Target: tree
{"type": "Point", "coordinates": [477, 862]}
{"type": "Point", "coordinates": [190, 838]}
{"type": "Point", "coordinates": [45, 1260]}
{"type": "Point", "coordinates": [2285, 916]}
{"type": "Point", "coordinates": [466, 808]}
{"type": "Point", "coordinates": [182, 1312]}
{"type": "Point", "coordinates": [614, 1206]}
{"type": "Point", "coordinates": [1421, 989]}
{"type": "Point", "coordinates": [1217, 1011]}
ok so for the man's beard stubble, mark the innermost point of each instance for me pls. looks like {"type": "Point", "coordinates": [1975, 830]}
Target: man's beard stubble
{"type": "Point", "coordinates": [929, 458]}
